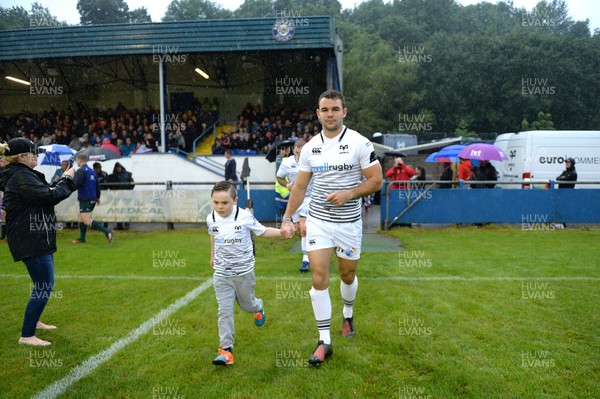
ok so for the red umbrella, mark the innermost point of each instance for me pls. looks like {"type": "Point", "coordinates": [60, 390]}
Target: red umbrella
{"type": "Point", "coordinates": [106, 144]}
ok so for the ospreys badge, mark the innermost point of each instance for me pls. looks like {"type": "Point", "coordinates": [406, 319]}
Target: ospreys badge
{"type": "Point", "coordinates": [283, 30]}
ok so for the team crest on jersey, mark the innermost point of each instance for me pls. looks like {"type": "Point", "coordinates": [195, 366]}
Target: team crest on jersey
{"type": "Point", "coordinates": [238, 229]}
{"type": "Point", "coordinates": [284, 30]}
{"type": "Point", "coordinates": [214, 229]}
{"type": "Point", "coordinates": [344, 149]}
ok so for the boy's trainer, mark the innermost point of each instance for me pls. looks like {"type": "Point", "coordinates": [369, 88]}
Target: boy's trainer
{"type": "Point", "coordinates": [260, 317]}
{"type": "Point", "coordinates": [225, 357]}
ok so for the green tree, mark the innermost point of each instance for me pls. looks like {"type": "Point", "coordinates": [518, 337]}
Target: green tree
{"type": "Point", "coordinates": [377, 87]}
{"type": "Point", "coordinates": [17, 17]}
{"type": "Point", "coordinates": [302, 8]}
{"type": "Point", "coordinates": [463, 129]}
{"type": "Point", "coordinates": [139, 15]}
{"type": "Point", "coordinates": [543, 122]}
{"type": "Point", "coordinates": [184, 10]}
{"type": "Point", "coordinates": [255, 9]}
{"type": "Point", "coordinates": [95, 12]}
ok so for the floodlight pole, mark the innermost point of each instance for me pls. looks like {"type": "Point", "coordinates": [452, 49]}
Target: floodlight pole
{"type": "Point", "coordinates": [161, 84]}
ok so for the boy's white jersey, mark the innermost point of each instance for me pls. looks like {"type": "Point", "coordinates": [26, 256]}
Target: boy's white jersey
{"type": "Point", "coordinates": [289, 169]}
{"type": "Point", "coordinates": [336, 164]}
{"type": "Point", "coordinates": [233, 244]}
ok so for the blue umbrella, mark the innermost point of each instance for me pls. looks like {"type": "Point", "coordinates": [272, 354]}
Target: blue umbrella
{"type": "Point", "coordinates": [446, 154]}
{"type": "Point", "coordinates": [55, 154]}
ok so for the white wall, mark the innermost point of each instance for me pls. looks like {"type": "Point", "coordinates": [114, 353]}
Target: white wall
{"type": "Point", "coordinates": [151, 168]}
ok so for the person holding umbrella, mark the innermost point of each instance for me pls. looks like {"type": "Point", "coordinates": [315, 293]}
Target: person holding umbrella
{"type": "Point", "coordinates": [88, 196]}
{"type": "Point", "coordinates": [484, 172]}
{"type": "Point", "coordinates": [29, 202]}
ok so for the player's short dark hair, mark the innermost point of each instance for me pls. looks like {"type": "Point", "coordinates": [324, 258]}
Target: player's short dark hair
{"type": "Point", "coordinates": [224, 186]}
{"type": "Point", "coordinates": [333, 95]}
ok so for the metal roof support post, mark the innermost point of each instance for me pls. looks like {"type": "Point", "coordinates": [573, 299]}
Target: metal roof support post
{"type": "Point", "coordinates": [162, 89]}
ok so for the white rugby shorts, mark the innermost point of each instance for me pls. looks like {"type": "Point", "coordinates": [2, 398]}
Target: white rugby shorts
{"type": "Point", "coordinates": [346, 238]}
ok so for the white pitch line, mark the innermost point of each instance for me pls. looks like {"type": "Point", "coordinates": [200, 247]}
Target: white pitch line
{"type": "Point", "coordinates": [307, 277]}
{"type": "Point", "coordinates": [59, 387]}
{"type": "Point", "coordinates": [110, 277]}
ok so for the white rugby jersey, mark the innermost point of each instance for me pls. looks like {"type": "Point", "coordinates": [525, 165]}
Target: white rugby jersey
{"type": "Point", "coordinates": [336, 164]}
{"type": "Point", "coordinates": [289, 168]}
{"type": "Point", "coordinates": [233, 246]}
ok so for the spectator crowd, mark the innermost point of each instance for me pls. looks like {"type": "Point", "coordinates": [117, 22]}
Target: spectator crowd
{"type": "Point", "coordinates": [129, 130]}
{"type": "Point", "coordinates": [258, 130]}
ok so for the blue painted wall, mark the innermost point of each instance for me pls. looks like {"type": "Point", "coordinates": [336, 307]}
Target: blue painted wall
{"type": "Point", "coordinates": [496, 205]}
{"type": "Point", "coordinates": [465, 205]}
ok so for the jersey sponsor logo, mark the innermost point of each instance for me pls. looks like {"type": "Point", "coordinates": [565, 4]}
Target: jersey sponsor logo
{"type": "Point", "coordinates": [316, 150]}
{"type": "Point", "coordinates": [222, 240]}
{"type": "Point", "coordinates": [326, 167]}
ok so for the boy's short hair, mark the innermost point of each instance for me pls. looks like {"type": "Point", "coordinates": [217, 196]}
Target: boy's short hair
{"type": "Point", "coordinates": [225, 186]}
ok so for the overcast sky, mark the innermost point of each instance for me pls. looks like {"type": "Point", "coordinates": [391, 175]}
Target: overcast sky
{"type": "Point", "coordinates": [66, 10]}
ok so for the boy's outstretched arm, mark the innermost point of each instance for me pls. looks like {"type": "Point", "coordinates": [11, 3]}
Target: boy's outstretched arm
{"type": "Point", "coordinates": [271, 232]}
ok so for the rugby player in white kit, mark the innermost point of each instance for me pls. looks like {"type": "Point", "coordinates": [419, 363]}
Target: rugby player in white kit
{"type": "Point", "coordinates": [336, 159]}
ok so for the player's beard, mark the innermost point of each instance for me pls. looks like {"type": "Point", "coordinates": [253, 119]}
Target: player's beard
{"type": "Point", "coordinates": [336, 126]}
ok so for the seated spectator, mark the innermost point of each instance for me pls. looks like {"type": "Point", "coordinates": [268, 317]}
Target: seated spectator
{"type": "Point", "coordinates": [180, 139]}
{"type": "Point", "coordinates": [128, 147]}
{"type": "Point", "coordinates": [217, 148]}
{"type": "Point", "coordinates": [46, 139]}
{"type": "Point", "coordinates": [246, 144]}
{"type": "Point", "coordinates": [172, 142]}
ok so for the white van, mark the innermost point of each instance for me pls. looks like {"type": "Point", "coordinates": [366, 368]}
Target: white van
{"type": "Point", "coordinates": [541, 155]}
{"type": "Point", "coordinates": [502, 143]}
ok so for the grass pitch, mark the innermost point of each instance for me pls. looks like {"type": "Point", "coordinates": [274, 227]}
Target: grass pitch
{"type": "Point", "coordinates": [461, 313]}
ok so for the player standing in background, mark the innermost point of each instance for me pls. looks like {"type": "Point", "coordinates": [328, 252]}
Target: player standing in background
{"type": "Point", "coordinates": [335, 159]}
{"type": "Point", "coordinates": [88, 196]}
{"type": "Point", "coordinates": [232, 258]}
{"type": "Point", "coordinates": [289, 170]}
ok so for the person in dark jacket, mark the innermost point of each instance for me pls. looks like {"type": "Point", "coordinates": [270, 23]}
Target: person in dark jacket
{"type": "Point", "coordinates": [29, 201]}
{"type": "Point", "coordinates": [484, 172]}
{"type": "Point", "coordinates": [569, 174]}
{"type": "Point", "coordinates": [120, 176]}
{"type": "Point", "coordinates": [230, 168]}
{"type": "Point", "coordinates": [88, 196]}
{"type": "Point", "coordinates": [447, 175]}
